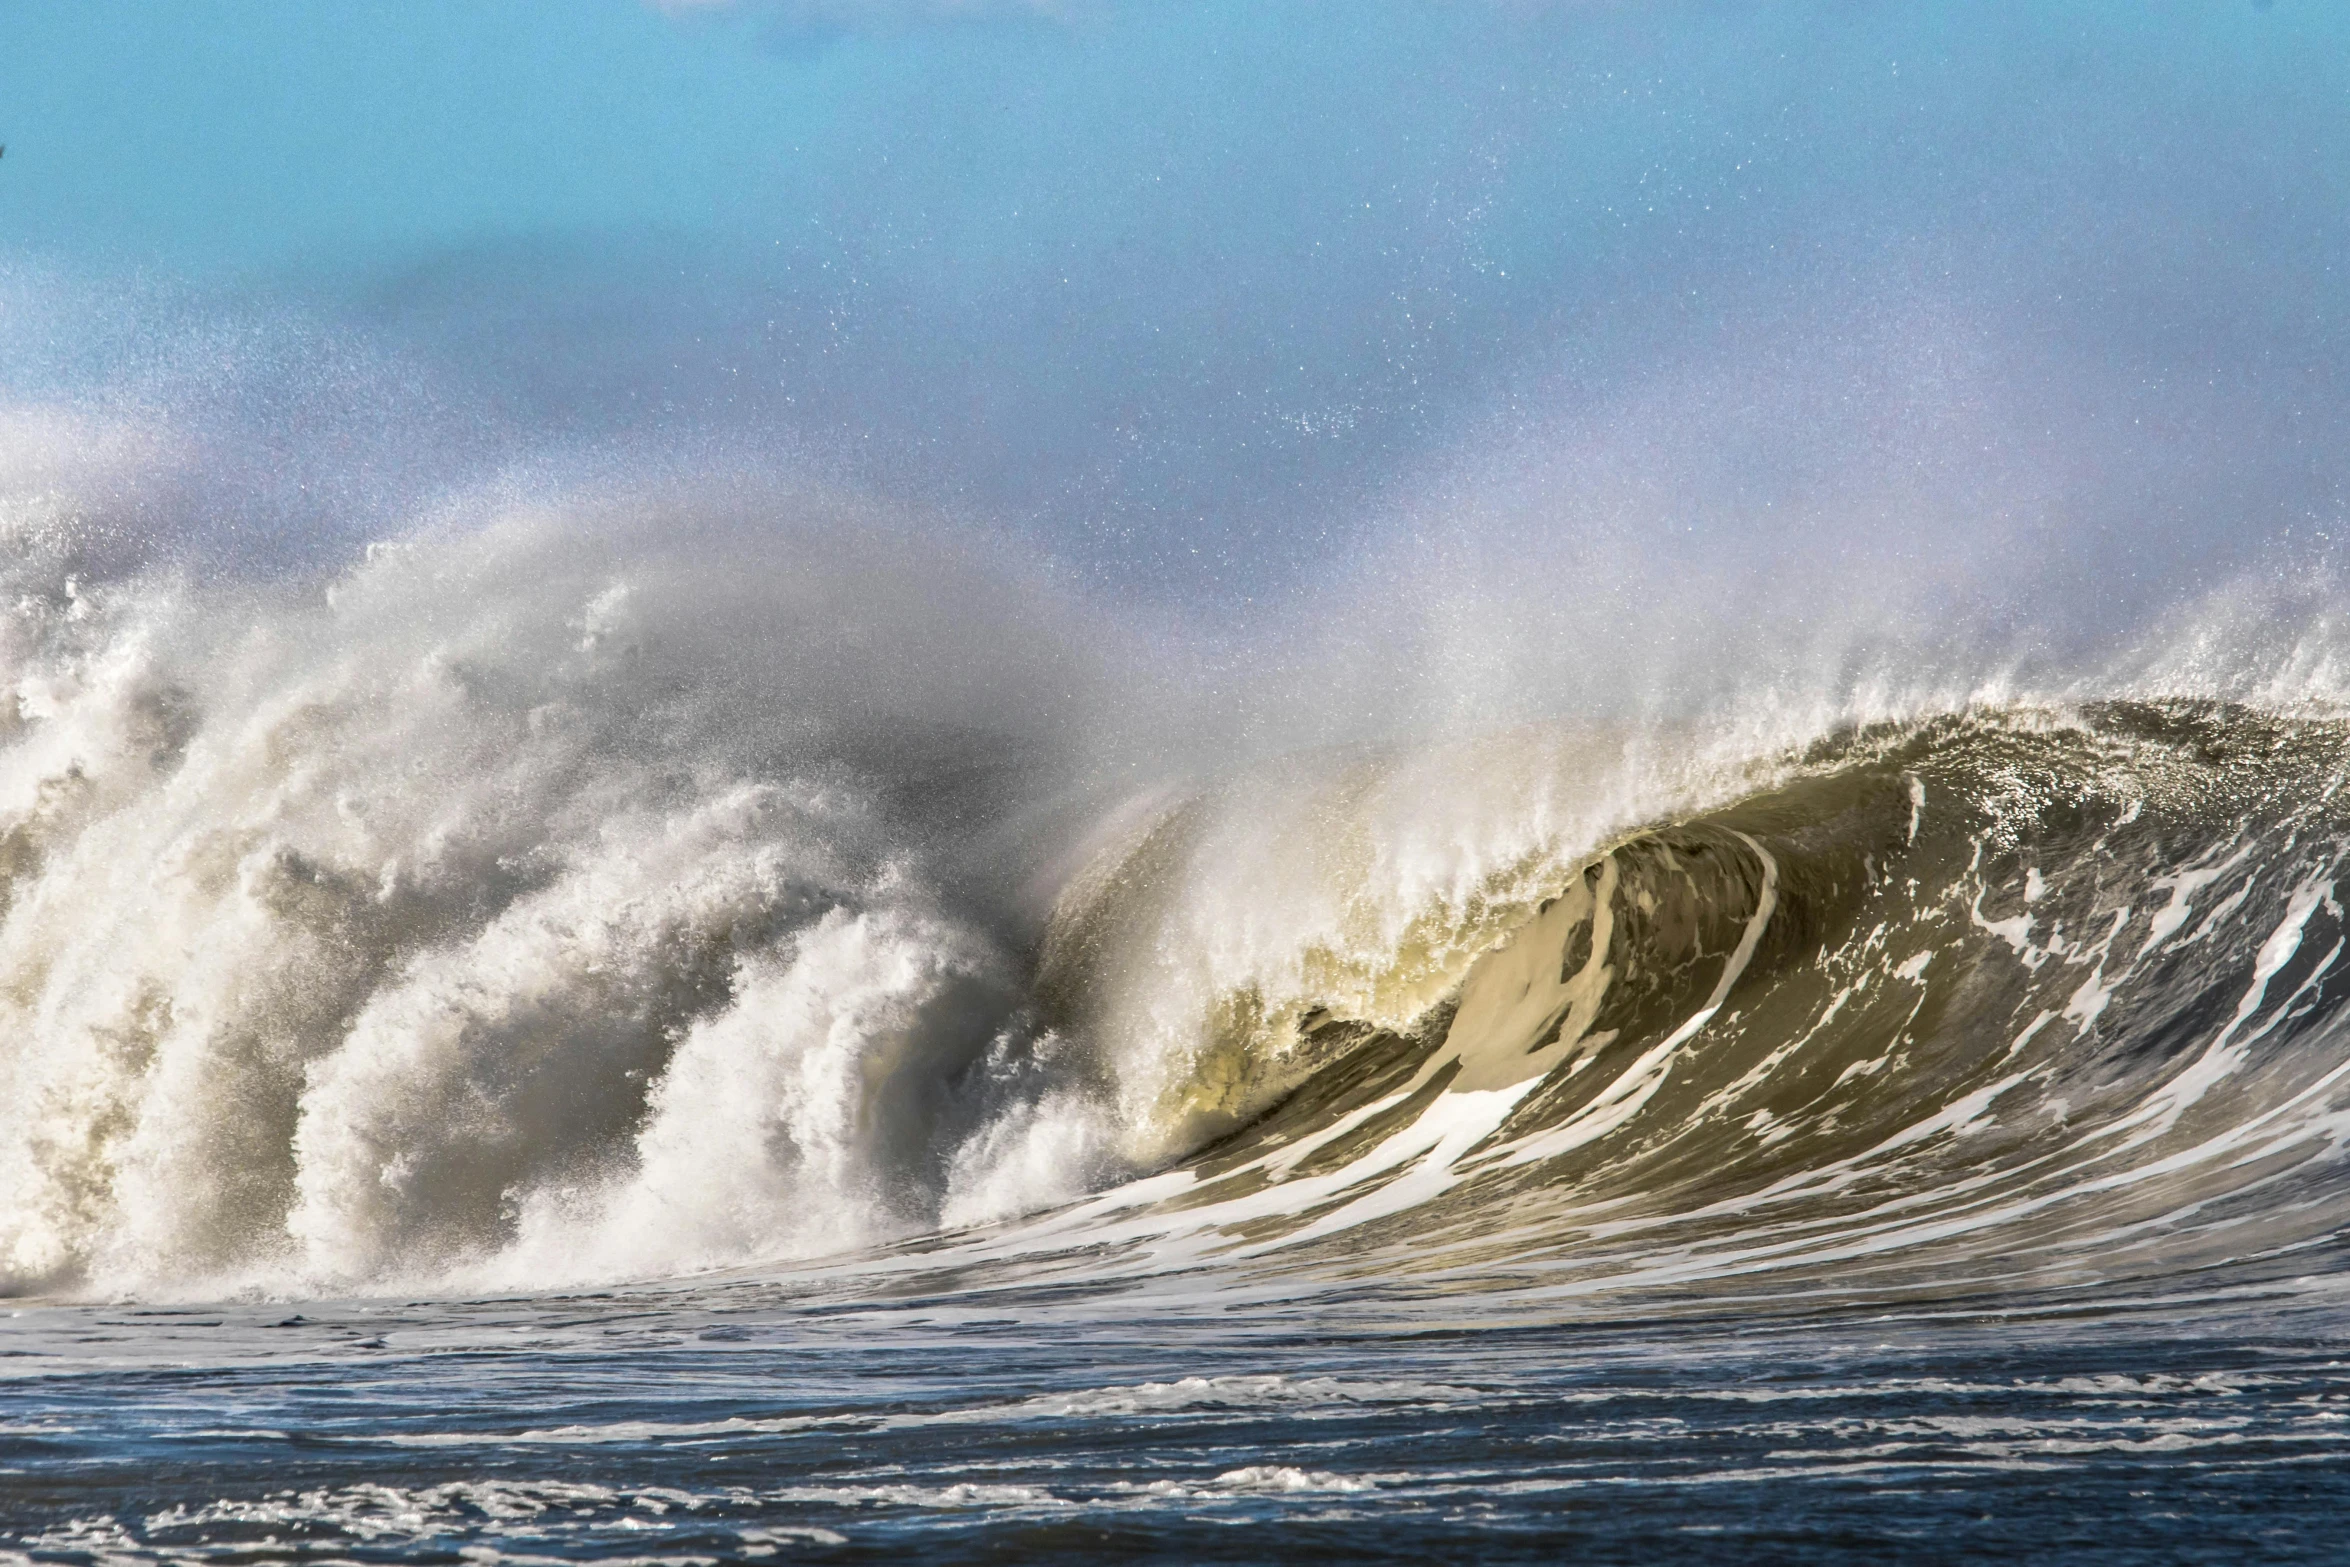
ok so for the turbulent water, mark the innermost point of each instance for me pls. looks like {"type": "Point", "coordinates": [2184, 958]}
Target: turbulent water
{"type": "Point", "coordinates": [505, 913]}
{"type": "Point", "coordinates": [500, 916]}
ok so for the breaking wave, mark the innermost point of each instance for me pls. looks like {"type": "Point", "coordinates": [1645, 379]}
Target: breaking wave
{"type": "Point", "coordinates": [352, 931]}
{"type": "Point", "coordinates": [2005, 999]}
{"type": "Point", "coordinates": [623, 893]}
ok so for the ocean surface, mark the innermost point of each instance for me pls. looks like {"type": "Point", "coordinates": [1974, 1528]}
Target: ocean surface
{"type": "Point", "coordinates": [1933, 1148]}
{"type": "Point", "coordinates": [739, 1423]}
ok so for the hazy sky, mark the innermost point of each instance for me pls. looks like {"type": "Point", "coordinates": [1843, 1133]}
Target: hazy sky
{"type": "Point", "coordinates": [1196, 290]}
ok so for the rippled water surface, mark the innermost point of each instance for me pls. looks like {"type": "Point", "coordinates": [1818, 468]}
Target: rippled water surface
{"type": "Point", "coordinates": [728, 1424]}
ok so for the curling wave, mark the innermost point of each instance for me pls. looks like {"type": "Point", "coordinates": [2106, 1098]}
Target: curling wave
{"type": "Point", "coordinates": [572, 897]}
{"type": "Point", "coordinates": [2003, 999]}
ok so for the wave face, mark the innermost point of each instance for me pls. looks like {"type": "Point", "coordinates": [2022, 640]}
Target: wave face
{"type": "Point", "coordinates": [564, 898]}
{"type": "Point", "coordinates": [1997, 1000]}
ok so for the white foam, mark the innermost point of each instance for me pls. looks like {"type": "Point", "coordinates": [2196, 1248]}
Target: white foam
{"type": "Point", "coordinates": [515, 911]}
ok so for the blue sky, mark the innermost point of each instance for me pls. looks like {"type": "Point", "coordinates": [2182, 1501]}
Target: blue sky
{"type": "Point", "coordinates": [254, 136]}
{"type": "Point", "coordinates": [1193, 288]}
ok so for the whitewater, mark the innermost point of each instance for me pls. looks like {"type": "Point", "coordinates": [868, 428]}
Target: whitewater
{"type": "Point", "coordinates": [569, 899]}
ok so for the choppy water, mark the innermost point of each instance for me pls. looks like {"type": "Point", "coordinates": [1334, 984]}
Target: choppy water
{"type": "Point", "coordinates": [734, 1424]}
